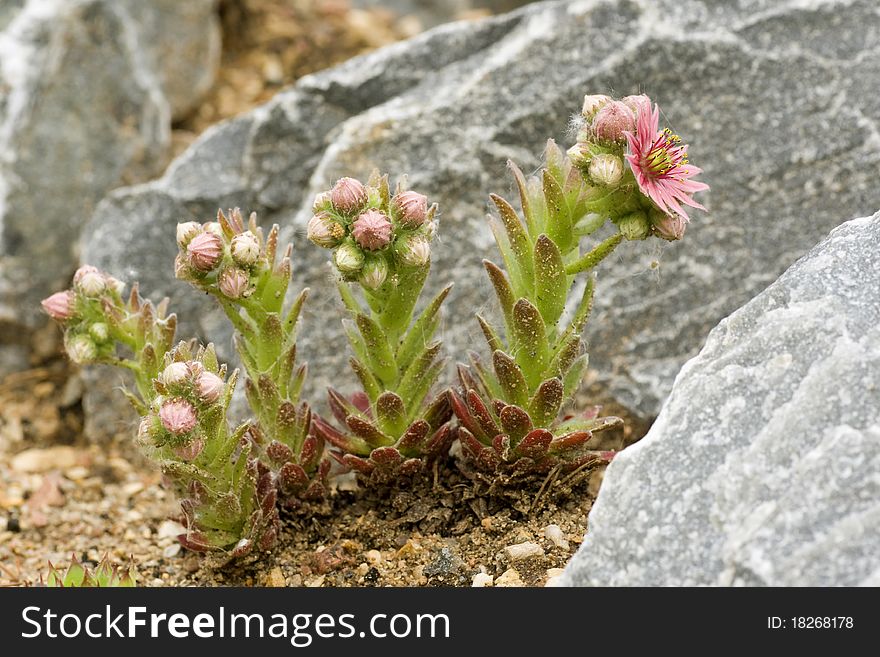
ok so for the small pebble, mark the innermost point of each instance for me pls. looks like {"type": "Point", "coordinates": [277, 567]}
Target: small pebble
{"type": "Point", "coordinates": [374, 557]}
{"type": "Point", "coordinates": [509, 578]}
{"type": "Point", "coordinates": [522, 551]}
{"type": "Point", "coordinates": [171, 551]}
{"type": "Point", "coordinates": [553, 576]}
{"type": "Point", "coordinates": [275, 578]}
{"type": "Point", "coordinates": [482, 580]}
{"type": "Point", "coordinates": [554, 534]}
{"type": "Point", "coordinates": [316, 582]}
{"type": "Point", "coordinates": [50, 458]}
{"type": "Point", "coordinates": [170, 529]}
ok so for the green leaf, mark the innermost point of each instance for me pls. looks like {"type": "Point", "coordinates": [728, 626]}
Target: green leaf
{"type": "Point", "coordinates": [545, 404]}
{"type": "Point", "coordinates": [491, 335]}
{"type": "Point", "coordinates": [502, 290]}
{"type": "Point", "coordinates": [530, 348]}
{"type": "Point", "coordinates": [525, 200]}
{"type": "Point", "coordinates": [558, 215]}
{"type": "Point", "coordinates": [391, 414]}
{"type": "Point", "coordinates": [398, 311]}
{"type": "Point", "coordinates": [368, 381]}
{"type": "Point", "coordinates": [414, 397]}
{"type": "Point", "coordinates": [422, 330]}
{"type": "Point", "coordinates": [511, 379]}
{"type": "Point", "coordinates": [575, 375]}
{"type": "Point", "coordinates": [520, 245]}
{"type": "Point", "coordinates": [594, 257]}
{"type": "Point", "coordinates": [379, 357]}
{"type": "Point", "coordinates": [420, 366]}
{"type": "Point", "coordinates": [551, 281]}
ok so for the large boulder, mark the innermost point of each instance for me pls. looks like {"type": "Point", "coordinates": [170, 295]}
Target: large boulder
{"type": "Point", "coordinates": [763, 468]}
{"type": "Point", "coordinates": [770, 96]}
{"type": "Point", "coordinates": [88, 89]}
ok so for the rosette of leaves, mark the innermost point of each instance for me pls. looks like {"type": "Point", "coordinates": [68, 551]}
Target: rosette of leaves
{"type": "Point", "coordinates": [102, 326]}
{"type": "Point", "coordinates": [232, 261]}
{"type": "Point", "coordinates": [510, 410]}
{"type": "Point", "coordinates": [394, 426]}
{"type": "Point", "coordinates": [105, 575]}
{"type": "Point", "coordinates": [229, 495]}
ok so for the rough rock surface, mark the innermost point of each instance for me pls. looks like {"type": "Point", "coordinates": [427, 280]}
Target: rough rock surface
{"type": "Point", "coordinates": [770, 95]}
{"type": "Point", "coordinates": [88, 89]}
{"type": "Point", "coordinates": [762, 468]}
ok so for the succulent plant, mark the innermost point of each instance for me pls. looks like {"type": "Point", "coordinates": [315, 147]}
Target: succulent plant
{"type": "Point", "coordinates": [228, 494]}
{"type": "Point", "coordinates": [232, 261]}
{"type": "Point", "coordinates": [104, 575]}
{"type": "Point", "coordinates": [382, 243]}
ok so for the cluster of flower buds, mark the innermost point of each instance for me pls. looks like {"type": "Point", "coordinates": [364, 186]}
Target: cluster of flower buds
{"type": "Point", "coordinates": [98, 321]}
{"type": "Point", "coordinates": [374, 235]}
{"type": "Point", "coordinates": [229, 497]}
{"type": "Point", "coordinates": [643, 170]}
{"type": "Point", "coordinates": [229, 258]}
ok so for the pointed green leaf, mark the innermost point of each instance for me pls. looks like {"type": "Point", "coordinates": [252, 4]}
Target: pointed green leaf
{"type": "Point", "coordinates": [520, 245]}
{"type": "Point", "coordinates": [511, 379]}
{"type": "Point", "coordinates": [379, 356]}
{"type": "Point", "coordinates": [525, 200]}
{"type": "Point", "coordinates": [551, 281]}
{"type": "Point", "coordinates": [595, 256]}
{"type": "Point", "coordinates": [545, 404]}
{"type": "Point", "coordinates": [492, 337]}
{"type": "Point", "coordinates": [502, 290]}
{"type": "Point", "coordinates": [529, 341]}
{"type": "Point", "coordinates": [575, 375]}
{"type": "Point", "coordinates": [422, 330]}
{"type": "Point", "coordinates": [559, 225]}
{"type": "Point", "coordinates": [391, 414]}
{"type": "Point", "coordinates": [368, 381]}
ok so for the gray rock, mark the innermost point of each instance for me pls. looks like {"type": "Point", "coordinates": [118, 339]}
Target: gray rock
{"type": "Point", "coordinates": [769, 95]}
{"type": "Point", "coordinates": [762, 468]}
{"type": "Point", "coordinates": [430, 13]}
{"type": "Point", "coordinates": [87, 92]}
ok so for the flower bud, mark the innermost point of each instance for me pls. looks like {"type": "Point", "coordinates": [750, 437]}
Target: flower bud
{"type": "Point", "coordinates": [415, 251]}
{"type": "Point", "coordinates": [82, 271]}
{"type": "Point", "coordinates": [635, 102]}
{"type": "Point", "coordinates": [669, 227]}
{"type": "Point", "coordinates": [174, 374]}
{"type": "Point", "coordinates": [115, 285]}
{"type": "Point", "coordinates": [205, 251]}
{"type": "Point", "coordinates": [325, 232]}
{"type": "Point", "coordinates": [613, 120]}
{"type": "Point", "coordinates": [606, 169]}
{"type": "Point", "coordinates": [372, 230]}
{"type": "Point", "coordinates": [593, 103]}
{"type": "Point", "coordinates": [411, 208]}
{"type": "Point", "coordinates": [81, 349]}
{"type": "Point", "coordinates": [182, 268]}
{"type": "Point", "coordinates": [233, 282]}
{"type": "Point", "coordinates": [190, 451]}
{"type": "Point", "coordinates": [144, 432]}
{"type": "Point", "coordinates": [245, 249]}
{"type": "Point", "coordinates": [209, 386]}
{"type": "Point", "coordinates": [213, 227]}
{"type": "Point", "coordinates": [59, 306]}
{"type": "Point", "coordinates": [374, 273]}
{"type": "Point", "coordinates": [178, 416]}
{"type": "Point", "coordinates": [322, 202]}
{"type": "Point", "coordinates": [349, 259]}
{"type": "Point", "coordinates": [429, 230]}
{"type": "Point", "coordinates": [90, 283]}
{"type": "Point", "coordinates": [348, 195]}
{"type": "Point", "coordinates": [99, 331]}
{"type": "Point", "coordinates": [635, 226]}
{"type": "Point", "coordinates": [186, 231]}
{"type": "Point", "coordinates": [580, 155]}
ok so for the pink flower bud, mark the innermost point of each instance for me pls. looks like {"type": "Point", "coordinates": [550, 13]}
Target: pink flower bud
{"type": "Point", "coordinates": [669, 227]}
{"type": "Point", "coordinates": [322, 202]}
{"type": "Point", "coordinates": [209, 386]}
{"type": "Point", "coordinates": [415, 251]}
{"type": "Point", "coordinates": [205, 251]}
{"type": "Point", "coordinates": [613, 120]}
{"type": "Point", "coordinates": [174, 374]}
{"type": "Point", "coordinates": [374, 273]}
{"type": "Point", "coordinates": [635, 102]}
{"type": "Point", "coordinates": [593, 103]}
{"type": "Point", "coordinates": [178, 416]}
{"type": "Point", "coordinates": [411, 207]}
{"type": "Point", "coordinates": [348, 195]}
{"type": "Point", "coordinates": [81, 349]}
{"type": "Point", "coordinates": [606, 169]}
{"type": "Point", "coordinates": [213, 227]}
{"type": "Point", "coordinates": [90, 283]}
{"type": "Point", "coordinates": [245, 249]}
{"type": "Point", "coordinates": [59, 306]}
{"type": "Point", "coordinates": [186, 232]}
{"type": "Point", "coordinates": [82, 271]}
{"type": "Point", "coordinates": [115, 284]}
{"type": "Point", "coordinates": [233, 282]}
{"type": "Point", "coordinates": [190, 451]}
{"type": "Point", "coordinates": [372, 230]}
{"type": "Point", "coordinates": [349, 259]}
{"type": "Point", "coordinates": [325, 232]}
{"type": "Point", "coordinates": [580, 155]}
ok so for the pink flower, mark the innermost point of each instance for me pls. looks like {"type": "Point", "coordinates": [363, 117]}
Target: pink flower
{"type": "Point", "coordinates": [205, 251]}
{"type": "Point", "coordinates": [59, 306]}
{"type": "Point", "coordinates": [659, 162]}
{"type": "Point", "coordinates": [411, 207]}
{"type": "Point", "coordinates": [191, 450]}
{"type": "Point", "coordinates": [178, 416]}
{"type": "Point", "coordinates": [372, 230]}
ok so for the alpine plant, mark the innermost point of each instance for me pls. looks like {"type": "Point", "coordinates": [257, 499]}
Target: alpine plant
{"type": "Point", "coordinates": [382, 246]}
{"type": "Point", "coordinates": [104, 575]}
{"type": "Point", "coordinates": [232, 261]}
{"type": "Point", "coordinates": [623, 176]}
